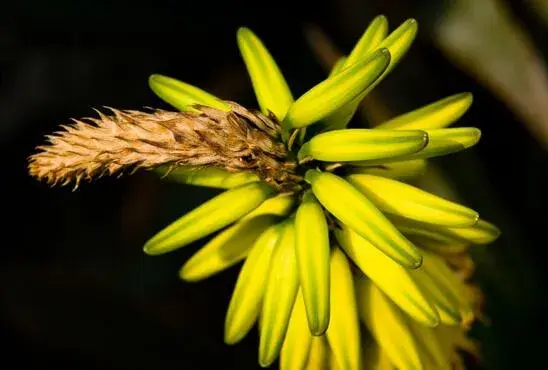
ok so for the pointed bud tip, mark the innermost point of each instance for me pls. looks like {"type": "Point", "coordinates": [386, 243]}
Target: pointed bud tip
{"type": "Point", "coordinates": [243, 31]}
{"type": "Point", "coordinates": [265, 363]}
{"type": "Point", "coordinates": [435, 322]}
{"type": "Point", "coordinates": [466, 95]}
{"type": "Point", "coordinates": [156, 78]}
{"type": "Point", "coordinates": [150, 249]}
{"type": "Point", "coordinates": [416, 263]}
{"type": "Point", "coordinates": [186, 274]}
{"type": "Point", "coordinates": [431, 318]}
{"type": "Point", "coordinates": [474, 137]}
{"type": "Point", "coordinates": [381, 17]}
{"type": "Point", "coordinates": [385, 52]}
{"type": "Point", "coordinates": [153, 81]}
{"type": "Point", "coordinates": [425, 139]}
{"type": "Point", "coordinates": [412, 21]}
{"type": "Point", "coordinates": [466, 98]}
{"type": "Point", "coordinates": [267, 352]}
{"type": "Point", "coordinates": [318, 331]}
{"type": "Point", "coordinates": [310, 175]}
{"type": "Point", "coordinates": [493, 229]}
{"type": "Point", "coordinates": [155, 247]}
{"type": "Point", "coordinates": [316, 325]}
{"type": "Point", "coordinates": [476, 218]}
{"type": "Point", "coordinates": [231, 338]}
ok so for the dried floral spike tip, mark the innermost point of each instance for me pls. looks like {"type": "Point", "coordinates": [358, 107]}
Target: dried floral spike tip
{"type": "Point", "coordinates": [236, 140]}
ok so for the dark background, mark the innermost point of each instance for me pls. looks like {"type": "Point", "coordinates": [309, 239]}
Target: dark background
{"type": "Point", "coordinates": [76, 288]}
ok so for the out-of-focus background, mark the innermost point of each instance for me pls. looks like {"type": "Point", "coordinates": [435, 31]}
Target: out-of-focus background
{"type": "Point", "coordinates": [76, 289]}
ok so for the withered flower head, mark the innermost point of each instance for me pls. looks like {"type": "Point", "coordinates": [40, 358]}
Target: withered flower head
{"type": "Point", "coordinates": [236, 140]}
{"type": "Point", "coordinates": [329, 222]}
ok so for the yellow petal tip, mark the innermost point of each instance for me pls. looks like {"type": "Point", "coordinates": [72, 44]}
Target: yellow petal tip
{"type": "Point", "coordinates": [241, 31]}
{"type": "Point", "coordinates": [151, 249]}
{"type": "Point", "coordinates": [154, 80]}
{"type": "Point", "coordinates": [153, 77]}
{"type": "Point", "coordinates": [318, 331]}
{"type": "Point", "coordinates": [381, 16]}
{"type": "Point", "coordinates": [416, 263]}
{"type": "Point", "coordinates": [185, 273]}
{"type": "Point", "coordinates": [476, 218]}
{"type": "Point", "coordinates": [412, 21]}
{"type": "Point", "coordinates": [230, 339]}
{"type": "Point", "coordinates": [435, 323]}
{"type": "Point", "coordinates": [384, 51]}
{"type": "Point", "coordinates": [467, 95]}
{"type": "Point", "coordinates": [496, 232]}
{"type": "Point", "coordinates": [425, 139]}
{"type": "Point", "coordinates": [231, 334]}
{"type": "Point", "coordinates": [266, 361]}
{"type": "Point", "coordinates": [156, 246]}
{"type": "Point", "coordinates": [477, 132]}
{"type": "Point", "coordinates": [433, 319]}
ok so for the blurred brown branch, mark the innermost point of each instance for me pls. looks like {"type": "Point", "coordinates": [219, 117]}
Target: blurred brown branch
{"type": "Point", "coordinates": [484, 40]}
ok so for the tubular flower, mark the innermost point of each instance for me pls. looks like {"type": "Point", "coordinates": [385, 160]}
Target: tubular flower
{"type": "Point", "coordinates": [330, 229]}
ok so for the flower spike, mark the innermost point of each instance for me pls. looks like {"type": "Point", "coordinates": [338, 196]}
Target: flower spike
{"type": "Point", "coordinates": [331, 223]}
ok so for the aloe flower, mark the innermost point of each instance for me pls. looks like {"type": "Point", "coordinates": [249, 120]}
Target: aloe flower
{"type": "Point", "coordinates": [326, 219]}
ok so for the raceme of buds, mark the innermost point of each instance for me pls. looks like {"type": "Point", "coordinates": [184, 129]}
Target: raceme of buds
{"type": "Point", "coordinates": [328, 221]}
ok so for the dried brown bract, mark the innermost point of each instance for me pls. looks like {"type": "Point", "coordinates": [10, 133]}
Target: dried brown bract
{"type": "Point", "coordinates": [236, 140]}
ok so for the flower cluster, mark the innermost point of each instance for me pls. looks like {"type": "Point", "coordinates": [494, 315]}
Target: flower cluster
{"type": "Point", "coordinates": [332, 230]}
